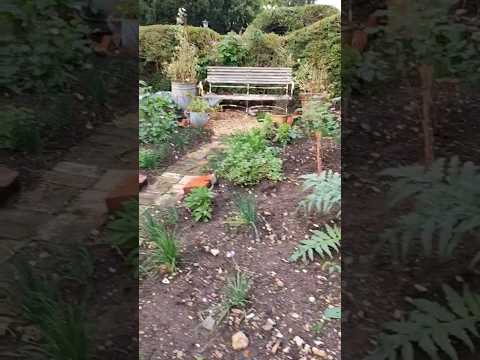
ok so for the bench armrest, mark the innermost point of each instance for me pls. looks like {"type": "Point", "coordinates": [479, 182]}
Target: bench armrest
{"type": "Point", "coordinates": [293, 88]}
{"type": "Point", "coordinates": [200, 89]}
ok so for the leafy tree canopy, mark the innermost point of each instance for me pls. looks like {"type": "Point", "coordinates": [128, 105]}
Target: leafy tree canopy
{"type": "Point", "coordinates": [222, 15]}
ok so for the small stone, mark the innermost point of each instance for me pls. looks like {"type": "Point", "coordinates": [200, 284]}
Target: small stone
{"type": "Point", "coordinates": [279, 283]}
{"type": "Point", "coordinates": [165, 281]}
{"type": "Point", "coordinates": [268, 325]}
{"type": "Point", "coordinates": [298, 341]}
{"type": "Point", "coordinates": [311, 299]}
{"type": "Point", "coordinates": [320, 353]}
{"type": "Point", "coordinates": [239, 341]}
{"type": "Point", "coordinates": [420, 288]}
{"type": "Point", "coordinates": [215, 252]}
{"type": "Point", "coordinates": [208, 323]}
{"type": "Point", "coordinates": [295, 315]}
{"type": "Point", "coordinates": [276, 346]}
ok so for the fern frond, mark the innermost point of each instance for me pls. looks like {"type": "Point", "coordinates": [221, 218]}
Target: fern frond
{"type": "Point", "coordinates": [322, 243]}
{"type": "Point", "coordinates": [432, 327]}
{"type": "Point", "coordinates": [325, 192]}
{"type": "Point", "coordinates": [446, 201]}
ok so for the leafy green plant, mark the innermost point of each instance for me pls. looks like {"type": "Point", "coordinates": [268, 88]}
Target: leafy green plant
{"type": "Point", "coordinates": [44, 42]}
{"type": "Point", "coordinates": [123, 231]}
{"type": "Point", "coordinates": [432, 327]}
{"type": "Point", "coordinates": [325, 192]}
{"type": "Point", "coordinates": [446, 202]}
{"type": "Point", "coordinates": [234, 295]}
{"type": "Point", "coordinates": [157, 119]}
{"type": "Point", "coordinates": [331, 267]}
{"type": "Point", "coordinates": [247, 211]}
{"type": "Point", "coordinates": [248, 160]}
{"type": "Point", "coordinates": [149, 158]}
{"type": "Point", "coordinates": [199, 201]}
{"type": "Point", "coordinates": [231, 50]}
{"type": "Point", "coordinates": [286, 134]}
{"type": "Point", "coordinates": [321, 243]}
{"type": "Point", "coordinates": [166, 250]}
{"type": "Point", "coordinates": [19, 130]}
{"type": "Point", "coordinates": [332, 313]}
{"type": "Point", "coordinates": [198, 105]}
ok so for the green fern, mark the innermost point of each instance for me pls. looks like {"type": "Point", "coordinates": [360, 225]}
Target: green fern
{"type": "Point", "coordinates": [446, 201]}
{"type": "Point", "coordinates": [431, 327]}
{"type": "Point", "coordinates": [321, 243]}
{"type": "Point", "coordinates": [326, 192]}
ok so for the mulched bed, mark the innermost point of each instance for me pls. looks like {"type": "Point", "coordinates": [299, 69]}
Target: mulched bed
{"type": "Point", "coordinates": [293, 295]}
{"type": "Point", "coordinates": [384, 131]}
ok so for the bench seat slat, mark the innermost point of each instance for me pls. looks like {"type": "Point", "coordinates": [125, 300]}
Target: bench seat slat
{"type": "Point", "coordinates": [251, 97]}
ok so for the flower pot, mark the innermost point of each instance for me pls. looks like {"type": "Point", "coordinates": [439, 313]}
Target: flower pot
{"type": "Point", "coordinates": [183, 93]}
{"type": "Point", "coordinates": [309, 97]}
{"type": "Point", "coordinates": [212, 101]}
{"type": "Point", "coordinates": [279, 119]}
{"type": "Point", "coordinates": [198, 119]}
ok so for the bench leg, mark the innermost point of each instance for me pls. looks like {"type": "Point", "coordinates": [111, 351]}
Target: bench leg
{"type": "Point", "coordinates": [247, 108]}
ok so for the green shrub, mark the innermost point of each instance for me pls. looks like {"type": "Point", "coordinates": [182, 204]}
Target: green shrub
{"type": "Point", "coordinates": [199, 202]}
{"type": "Point", "coordinates": [248, 160]}
{"type": "Point", "coordinates": [265, 49]}
{"type": "Point", "coordinates": [320, 45]}
{"type": "Point", "coordinates": [43, 44]}
{"type": "Point", "coordinates": [157, 119]}
{"type": "Point", "coordinates": [148, 159]}
{"type": "Point", "coordinates": [19, 130]}
{"type": "Point", "coordinates": [282, 20]}
{"type": "Point", "coordinates": [198, 105]}
{"type": "Point", "coordinates": [158, 43]}
{"type": "Point", "coordinates": [231, 50]}
{"type": "Point", "coordinates": [286, 134]}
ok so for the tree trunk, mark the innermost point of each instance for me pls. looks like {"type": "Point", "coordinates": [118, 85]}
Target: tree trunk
{"type": "Point", "coordinates": [426, 77]}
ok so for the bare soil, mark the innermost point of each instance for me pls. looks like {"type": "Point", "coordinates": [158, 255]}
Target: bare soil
{"type": "Point", "coordinates": [294, 295]}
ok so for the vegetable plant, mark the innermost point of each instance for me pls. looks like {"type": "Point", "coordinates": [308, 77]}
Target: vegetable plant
{"type": "Point", "coordinates": [325, 193]}
{"type": "Point", "coordinates": [198, 105]}
{"type": "Point", "coordinates": [157, 119]}
{"type": "Point", "coordinates": [19, 130]}
{"type": "Point", "coordinates": [322, 242]}
{"type": "Point", "coordinates": [199, 201]}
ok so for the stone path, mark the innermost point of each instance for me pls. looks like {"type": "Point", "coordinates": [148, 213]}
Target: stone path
{"type": "Point", "coordinates": [69, 201]}
{"type": "Point", "coordinates": [167, 188]}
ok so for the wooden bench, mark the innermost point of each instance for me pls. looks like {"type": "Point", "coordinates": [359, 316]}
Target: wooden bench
{"type": "Point", "coordinates": [249, 78]}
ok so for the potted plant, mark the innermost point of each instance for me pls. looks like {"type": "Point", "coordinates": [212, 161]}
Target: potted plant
{"type": "Point", "coordinates": [198, 109]}
{"type": "Point", "coordinates": [313, 82]}
{"type": "Point", "coordinates": [182, 71]}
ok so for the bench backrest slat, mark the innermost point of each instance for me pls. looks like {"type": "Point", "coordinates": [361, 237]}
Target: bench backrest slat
{"type": "Point", "coordinates": [249, 75]}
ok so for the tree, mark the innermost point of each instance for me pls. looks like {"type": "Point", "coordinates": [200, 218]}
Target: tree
{"type": "Point", "coordinates": [222, 15]}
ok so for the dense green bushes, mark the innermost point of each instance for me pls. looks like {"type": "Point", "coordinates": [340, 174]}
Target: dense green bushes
{"type": "Point", "coordinates": [158, 42]}
{"type": "Point", "coordinates": [282, 20]}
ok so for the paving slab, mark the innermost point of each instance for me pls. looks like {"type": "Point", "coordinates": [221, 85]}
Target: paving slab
{"type": "Point", "coordinates": [71, 180]}
{"type": "Point", "coordinates": [90, 202]}
{"type": "Point", "coordinates": [74, 168]}
{"type": "Point", "coordinates": [46, 197]}
{"type": "Point", "coordinates": [20, 224]}
{"type": "Point", "coordinates": [112, 178]}
{"type": "Point", "coordinates": [68, 228]}
{"type": "Point", "coordinates": [9, 182]}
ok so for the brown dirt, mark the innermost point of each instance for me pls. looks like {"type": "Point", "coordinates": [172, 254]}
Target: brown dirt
{"type": "Point", "coordinates": [170, 314]}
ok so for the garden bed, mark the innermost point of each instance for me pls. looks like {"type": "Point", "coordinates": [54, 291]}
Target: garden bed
{"type": "Point", "coordinates": [293, 295]}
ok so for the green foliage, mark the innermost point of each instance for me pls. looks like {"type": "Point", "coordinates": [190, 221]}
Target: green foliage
{"type": "Point", "coordinates": [321, 243]}
{"type": "Point", "coordinates": [62, 326]}
{"type": "Point", "coordinates": [231, 50]}
{"type": "Point", "coordinates": [351, 59]}
{"type": "Point", "coordinates": [199, 201]}
{"type": "Point", "coordinates": [123, 231]}
{"type": "Point", "coordinates": [282, 20]}
{"type": "Point", "coordinates": [223, 16]}
{"type": "Point", "coordinates": [235, 292]}
{"type": "Point", "coordinates": [165, 250]}
{"type": "Point", "coordinates": [42, 45]}
{"type": "Point", "coordinates": [433, 328]}
{"type": "Point", "coordinates": [198, 105]}
{"type": "Point", "coordinates": [247, 208]}
{"type": "Point", "coordinates": [265, 49]}
{"type": "Point", "coordinates": [317, 118]}
{"type": "Point", "coordinates": [158, 43]}
{"type": "Point", "coordinates": [325, 192]}
{"type": "Point", "coordinates": [148, 159]}
{"type": "Point", "coordinates": [286, 134]}
{"type": "Point", "coordinates": [332, 313]}
{"type": "Point", "coordinates": [248, 160]}
{"type": "Point", "coordinates": [157, 119]}
{"type": "Point", "coordinates": [446, 200]}
{"type": "Point", "coordinates": [19, 130]}
{"type": "Point", "coordinates": [79, 264]}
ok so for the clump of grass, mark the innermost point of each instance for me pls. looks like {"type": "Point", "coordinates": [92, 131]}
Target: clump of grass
{"type": "Point", "coordinates": [247, 211]}
{"type": "Point", "coordinates": [148, 159]}
{"type": "Point", "coordinates": [235, 295]}
{"type": "Point", "coordinates": [165, 251]}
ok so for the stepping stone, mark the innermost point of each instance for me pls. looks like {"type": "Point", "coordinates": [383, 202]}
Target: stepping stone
{"type": "Point", "coordinates": [142, 180]}
{"type": "Point", "coordinates": [9, 183]}
{"type": "Point", "coordinates": [193, 182]}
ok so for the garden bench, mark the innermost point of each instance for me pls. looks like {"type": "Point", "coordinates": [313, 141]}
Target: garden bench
{"type": "Point", "coordinates": [263, 78]}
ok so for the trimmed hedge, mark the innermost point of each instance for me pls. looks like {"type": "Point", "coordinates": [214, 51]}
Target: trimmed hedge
{"type": "Point", "coordinates": [282, 20]}
{"type": "Point", "coordinates": [158, 42]}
